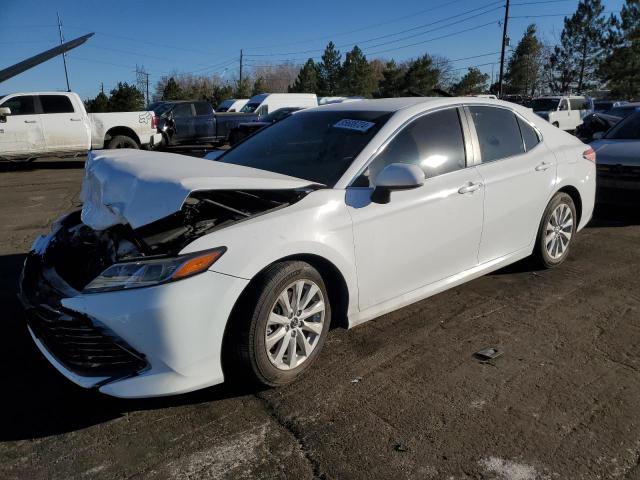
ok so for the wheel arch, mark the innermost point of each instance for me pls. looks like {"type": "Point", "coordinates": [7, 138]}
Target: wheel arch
{"type": "Point", "coordinates": [575, 196]}
{"type": "Point", "coordinates": [114, 131]}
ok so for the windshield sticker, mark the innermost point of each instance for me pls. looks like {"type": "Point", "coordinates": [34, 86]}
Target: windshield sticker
{"type": "Point", "coordinates": [357, 125]}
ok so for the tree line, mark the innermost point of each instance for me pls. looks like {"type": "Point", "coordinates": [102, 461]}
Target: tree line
{"type": "Point", "coordinates": [594, 51]}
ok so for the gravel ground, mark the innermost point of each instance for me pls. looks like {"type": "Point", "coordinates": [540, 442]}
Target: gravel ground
{"type": "Point", "coordinates": [398, 397]}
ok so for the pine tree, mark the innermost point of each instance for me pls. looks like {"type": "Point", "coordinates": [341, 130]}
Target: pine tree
{"type": "Point", "coordinates": [242, 89]}
{"type": "Point", "coordinates": [392, 83]}
{"type": "Point", "coordinates": [577, 57]}
{"type": "Point", "coordinates": [329, 71]}
{"type": "Point", "coordinates": [523, 69]}
{"type": "Point", "coordinates": [258, 86]}
{"type": "Point", "coordinates": [474, 81]}
{"type": "Point", "coordinates": [307, 81]}
{"type": "Point", "coordinates": [357, 75]}
{"type": "Point", "coordinates": [421, 77]}
{"type": "Point", "coordinates": [99, 104]}
{"type": "Point", "coordinates": [621, 68]}
{"type": "Point", "coordinates": [172, 90]}
{"type": "Point", "coordinates": [126, 98]}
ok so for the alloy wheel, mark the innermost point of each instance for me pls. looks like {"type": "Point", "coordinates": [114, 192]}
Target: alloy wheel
{"type": "Point", "coordinates": [558, 231]}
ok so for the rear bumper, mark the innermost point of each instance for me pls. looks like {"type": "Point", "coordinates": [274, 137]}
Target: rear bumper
{"type": "Point", "coordinates": [172, 334]}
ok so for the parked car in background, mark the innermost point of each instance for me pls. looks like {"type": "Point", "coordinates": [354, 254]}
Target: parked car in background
{"type": "Point", "coordinates": [243, 130]}
{"type": "Point", "coordinates": [618, 162]}
{"type": "Point", "coordinates": [564, 112]}
{"type": "Point", "coordinates": [38, 124]}
{"type": "Point", "coordinates": [269, 102]}
{"type": "Point", "coordinates": [328, 100]}
{"type": "Point", "coordinates": [602, 106]}
{"type": "Point", "coordinates": [594, 124]}
{"type": "Point", "coordinates": [180, 272]}
{"type": "Point", "coordinates": [232, 105]}
{"type": "Point", "coordinates": [625, 110]}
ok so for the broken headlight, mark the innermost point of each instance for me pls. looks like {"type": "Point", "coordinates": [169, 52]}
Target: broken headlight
{"type": "Point", "coordinates": [146, 273]}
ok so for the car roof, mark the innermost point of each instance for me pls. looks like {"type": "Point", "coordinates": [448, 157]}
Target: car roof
{"type": "Point", "coordinates": [382, 104]}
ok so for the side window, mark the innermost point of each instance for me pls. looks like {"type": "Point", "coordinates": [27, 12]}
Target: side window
{"type": "Point", "coordinates": [498, 133]}
{"type": "Point", "coordinates": [529, 135]}
{"type": "Point", "coordinates": [578, 104]}
{"type": "Point", "coordinates": [203, 108]}
{"type": "Point", "coordinates": [22, 105]}
{"type": "Point", "coordinates": [182, 110]}
{"type": "Point", "coordinates": [434, 142]}
{"type": "Point", "coordinates": [563, 105]}
{"type": "Point", "coordinates": [56, 104]}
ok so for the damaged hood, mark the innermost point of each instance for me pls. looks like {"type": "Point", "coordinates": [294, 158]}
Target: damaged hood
{"type": "Point", "coordinates": [138, 187]}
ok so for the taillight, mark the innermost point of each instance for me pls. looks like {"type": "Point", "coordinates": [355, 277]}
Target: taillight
{"type": "Point", "coordinates": [589, 154]}
{"type": "Point", "coordinates": [154, 122]}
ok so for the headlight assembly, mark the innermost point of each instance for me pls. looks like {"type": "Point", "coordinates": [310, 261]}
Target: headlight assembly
{"type": "Point", "coordinates": [145, 273]}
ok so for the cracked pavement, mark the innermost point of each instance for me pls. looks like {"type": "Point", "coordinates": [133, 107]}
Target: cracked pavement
{"type": "Point", "coordinates": [398, 397]}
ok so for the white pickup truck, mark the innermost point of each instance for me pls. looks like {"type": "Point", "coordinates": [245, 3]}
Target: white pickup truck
{"type": "Point", "coordinates": [39, 124]}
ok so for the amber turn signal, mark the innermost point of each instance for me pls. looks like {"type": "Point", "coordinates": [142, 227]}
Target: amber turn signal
{"type": "Point", "coordinates": [197, 264]}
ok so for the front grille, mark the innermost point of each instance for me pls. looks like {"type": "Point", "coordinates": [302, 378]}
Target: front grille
{"type": "Point", "coordinates": [77, 342]}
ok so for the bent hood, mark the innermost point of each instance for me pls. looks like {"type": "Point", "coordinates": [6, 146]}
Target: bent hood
{"type": "Point", "coordinates": [138, 187]}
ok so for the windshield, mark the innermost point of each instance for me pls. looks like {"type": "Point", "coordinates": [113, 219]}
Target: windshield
{"type": "Point", "coordinates": [316, 146]}
{"type": "Point", "coordinates": [249, 107]}
{"type": "Point", "coordinates": [545, 104]}
{"type": "Point", "coordinates": [627, 129]}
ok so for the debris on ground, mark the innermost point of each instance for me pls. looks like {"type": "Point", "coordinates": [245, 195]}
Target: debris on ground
{"type": "Point", "coordinates": [486, 354]}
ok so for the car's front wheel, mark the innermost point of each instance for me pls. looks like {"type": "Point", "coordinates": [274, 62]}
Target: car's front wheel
{"type": "Point", "coordinates": [281, 325]}
{"type": "Point", "coordinates": [556, 231]}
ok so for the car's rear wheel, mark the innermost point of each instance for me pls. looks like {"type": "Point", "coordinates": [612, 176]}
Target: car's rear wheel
{"type": "Point", "coordinates": [280, 327]}
{"type": "Point", "coordinates": [556, 231]}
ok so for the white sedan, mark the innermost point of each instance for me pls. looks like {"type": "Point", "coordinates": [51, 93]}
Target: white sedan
{"type": "Point", "coordinates": [179, 272]}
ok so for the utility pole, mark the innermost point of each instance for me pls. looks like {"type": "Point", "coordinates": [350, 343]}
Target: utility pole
{"type": "Point", "coordinates": [102, 87]}
{"type": "Point", "coordinates": [504, 47]}
{"type": "Point", "coordinates": [147, 89]}
{"type": "Point", "coordinates": [240, 81]}
{"type": "Point", "coordinates": [64, 55]}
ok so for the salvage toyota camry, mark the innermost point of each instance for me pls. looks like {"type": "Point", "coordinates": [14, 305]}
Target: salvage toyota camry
{"type": "Point", "coordinates": [179, 272]}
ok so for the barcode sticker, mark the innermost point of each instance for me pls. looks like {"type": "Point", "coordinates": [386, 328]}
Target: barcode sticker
{"type": "Point", "coordinates": [358, 125]}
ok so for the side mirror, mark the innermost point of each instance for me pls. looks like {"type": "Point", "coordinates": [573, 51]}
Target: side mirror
{"type": "Point", "coordinates": [5, 111]}
{"type": "Point", "coordinates": [396, 176]}
{"type": "Point", "coordinates": [598, 135]}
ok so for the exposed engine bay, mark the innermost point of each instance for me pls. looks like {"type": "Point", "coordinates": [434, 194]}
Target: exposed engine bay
{"type": "Point", "coordinates": [79, 253]}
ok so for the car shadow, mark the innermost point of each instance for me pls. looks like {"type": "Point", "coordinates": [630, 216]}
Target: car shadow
{"type": "Point", "coordinates": [38, 401]}
{"type": "Point", "coordinates": [615, 215]}
{"type": "Point", "coordinates": [41, 165]}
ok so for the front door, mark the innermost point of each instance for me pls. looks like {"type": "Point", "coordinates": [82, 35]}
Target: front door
{"type": "Point", "coordinates": [184, 123]}
{"type": "Point", "coordinates": [425, 234]}
{"type": "Point", "coordinates": [21, 131]}
{"type": "Point", "coordinates": [518, 173]}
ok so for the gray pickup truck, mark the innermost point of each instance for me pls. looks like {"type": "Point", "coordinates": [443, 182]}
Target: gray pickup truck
{"type": "Point", "coordinates": [190, 122]}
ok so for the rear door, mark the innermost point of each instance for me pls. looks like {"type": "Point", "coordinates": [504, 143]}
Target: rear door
{"type": "Point", "coordinates": [518, 172]}
{"type": "Point", "coordinates": [183, 118]}
{"type": "Point", "coordinates": [21, 132]}
{"type": "Point", "coordinates": [64, 126]}
{"type": "Point", "coordinates": [203, 121]}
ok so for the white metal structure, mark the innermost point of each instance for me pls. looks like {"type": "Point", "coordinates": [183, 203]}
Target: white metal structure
{"type": "Point", "coordinates": [265, 103]}
{"type": "Point", "coordinates": [564, 112]}
{"type": "Point", "coordinates": [232, 105]}
{"type": "Point", "coordinates": [37, 124]}
{"type": "Point", "coordinates": [401, 199]}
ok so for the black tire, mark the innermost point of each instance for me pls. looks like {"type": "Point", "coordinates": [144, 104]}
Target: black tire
{"type": "Point", "coordinates": [541, 254]}
{"type": "Point", "coordinates": [246, 356]}
{"type": "Point", "coordinates": [556, 124]}
{"type": "Point", "coordinates": [122, 141]}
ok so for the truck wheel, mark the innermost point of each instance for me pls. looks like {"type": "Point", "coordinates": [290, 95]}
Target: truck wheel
{"type": "Point", "coordinates": [122, 141]}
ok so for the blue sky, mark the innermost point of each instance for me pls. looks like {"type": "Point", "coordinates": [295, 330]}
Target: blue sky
{"type": "Point", "coordinates": [202, 36]}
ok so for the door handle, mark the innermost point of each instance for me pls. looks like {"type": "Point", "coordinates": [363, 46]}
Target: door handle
{"type": "Point", "coordinates": [470, 187]}
{"type": "Point", "coordinates": [76, 119]}
{"type": "Point", "coordinates": [543, 166]}
{"type": "Point", "coordinates": [29, 121]}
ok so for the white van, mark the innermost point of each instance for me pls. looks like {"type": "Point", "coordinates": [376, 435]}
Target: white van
{"type": "Point", "coordinates": [565, 112]}
{"type": "Point", "coordinates": [270, 102]}
{"type": "Point", "coordinates": [232, 105]}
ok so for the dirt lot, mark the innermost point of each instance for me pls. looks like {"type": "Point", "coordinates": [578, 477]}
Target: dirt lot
{"type": "Point", "coordinates": [398, 397]}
